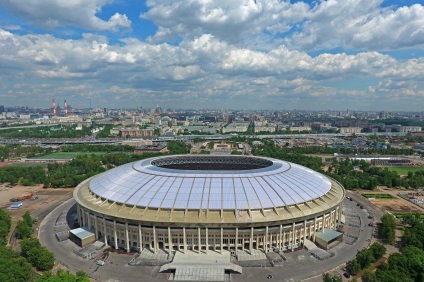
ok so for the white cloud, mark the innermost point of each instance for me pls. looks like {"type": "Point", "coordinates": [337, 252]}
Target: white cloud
{"type": "Point", "coordinates": [360, 24]}
{"type": "Point", "coordinates": [55, 13]}
{"type": "Point", "coordinates": [205, 67]}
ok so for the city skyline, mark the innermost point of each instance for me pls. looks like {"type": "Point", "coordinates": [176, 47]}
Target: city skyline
{"type": "Point", "coordinates": [306, 55]}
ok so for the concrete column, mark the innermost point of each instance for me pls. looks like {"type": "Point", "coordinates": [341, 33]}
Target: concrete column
{"type": "Point", "coordinates": [114, 235]}
{"type": "Point", "coordinates": [340, 214]}
{"type": "Point", "coordinates": [127, 237]}
{"type": "Point", "coordinates": [79, 215]}
{"type": "Point", "coordinates": [315, 227]}
{"type": "Point", "coordinates": [266, 239]}
{"type": "Point", "coordinates": [104, 230]}
{"type": "Point", "coordinates": [199, 241]}
{"type": "Point", "coordinates": [293, 238]}
{"type": "Point", "coordinates": [281, 235]}
{"type": "Point", "coordinates": [96, 227]}
{"type": "Point", "coordinates": [155, 240]}
{"type": "Point", "coordinates": [184, 240]}
{"type": "Point", "coordinates": [242, 243]}
{"type": "Point", "coordinates": [222, 240]}
{"type": "Point", "coordinates": [251, 240]}
{"type": "Point", "coordinates": [304, 234]}
{"type": "Point", "coordinates": [236, 243]}
{"type": "Point", "coordinates": [88, 220]}
{"type": "Point", "coordinates": [170, 243]}
{"type": "Point", "coordinates": [140, 238]}
{"type": "Point", "coordinates": [84, 221]}
{"type": "Point", "coordinates": [207, 240]}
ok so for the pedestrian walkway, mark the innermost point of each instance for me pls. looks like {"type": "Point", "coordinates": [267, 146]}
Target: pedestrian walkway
{"type": "Point", "coordinates": [192, 266]}
{"type": "Point", "coordinates": [247, 256]}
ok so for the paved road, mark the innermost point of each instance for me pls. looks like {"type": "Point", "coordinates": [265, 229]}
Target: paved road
{"type": "Point", "coordinates": [300, 264]}
{"type": "Point", "coordinates": [116, 267]}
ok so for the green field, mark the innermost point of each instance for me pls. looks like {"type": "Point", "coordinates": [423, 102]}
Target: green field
{"type": "Point", "coordinates": [402, 214]}
{"type": "Point", "coordinates": [26, 165]}
{"type": "Point", "coordinates": [379, 196]}
{"type": "Point", "coordinates": [403, 170]}
{"type": "Point", "coordinates": [68, 155]}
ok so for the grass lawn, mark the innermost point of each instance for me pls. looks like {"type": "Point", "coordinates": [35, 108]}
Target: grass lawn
{"type": "Point", "coordinates": [403, 170]}
{"type": "Point", "coordinates": [26, 164]}
{"type": "Point", "coordinates": [68, 155]}
{"type": "Point", "coordinates": [379, 196]}
{"type": "Point", "coordinates": [401, 214]}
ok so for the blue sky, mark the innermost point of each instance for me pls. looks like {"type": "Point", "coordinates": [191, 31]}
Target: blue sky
{"type": "Point", "coordinates": [245, 54]}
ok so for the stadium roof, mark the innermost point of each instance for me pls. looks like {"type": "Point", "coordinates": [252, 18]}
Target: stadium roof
{"type": "Point", "coordinates": [153, 184]}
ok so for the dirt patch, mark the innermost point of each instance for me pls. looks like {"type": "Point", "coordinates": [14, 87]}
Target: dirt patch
{"type": "Point", "coordinates": [395, 205]}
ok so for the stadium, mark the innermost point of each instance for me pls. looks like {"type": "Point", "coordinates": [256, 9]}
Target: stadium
{"type": "Point", "coordinates": [203, 203]}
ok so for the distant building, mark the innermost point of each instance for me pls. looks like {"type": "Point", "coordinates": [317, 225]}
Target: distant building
{"type": "Point", "coordinates": [350, 129]}
{"type": "Point", "coordinates": [155, 148]}
{"type": "Point", "coordinates": [1, 109]}
{"type": "Point", "coordinates": [410, 129]}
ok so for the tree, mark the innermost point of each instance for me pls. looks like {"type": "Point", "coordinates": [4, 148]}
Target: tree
{"type": "Point", "coordinates": [23, 230]}
{"type": "Point", "coordinates": [369, 276]}
{"type": "Point", "coordinates": [14, 268]}
{"type": "Point", "coordinates": [388, 226]}
{"type": "Point", "coordinates": [62, 275]}
{"type": "Point", "coordinates": [29, 220]}
{"type": "Point", "coordinates": [36, 254]}
{"type": "Point", "coordinates": [326, 277]}
{"type": "Point", "coordinates": [354, 267]}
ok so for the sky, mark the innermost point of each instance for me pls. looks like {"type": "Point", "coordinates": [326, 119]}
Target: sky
{"type": "Point", "coordinates": [213, 54]}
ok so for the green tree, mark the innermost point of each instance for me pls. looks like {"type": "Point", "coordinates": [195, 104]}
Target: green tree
{"type": "Point", "coordinates": [354, 267]}
{"type": "Point", "coordinates": [388, 226]}
{"type": "Point", "coordinates": [62, 275]}
{"type": "Point", "coordinates": [369, 276]}
{"type": "Point", "coordinates": [29, 220]}
{"type": "Point", "coordinates": [23, 230]}
{"type": "Point", "coordinates": [13, 267]}
{"type": "Point", "coordinates": [36, 254]}
{"type": "Point", "coordinates": [326, 277]}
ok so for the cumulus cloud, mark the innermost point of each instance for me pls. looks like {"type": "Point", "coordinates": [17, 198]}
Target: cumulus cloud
{"type": "Point", "coordinates": [232, 21]}
{"type": "Point", "coordinates": [265, 24]}
{"type": "Point", "coordinates": [360, 24]}
{"type": "Point", "coordinates": [202, 70]}
{"type": "Point", "coordinates": [56, 13]}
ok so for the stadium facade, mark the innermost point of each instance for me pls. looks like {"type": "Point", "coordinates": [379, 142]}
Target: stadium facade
{"type": "Point", "coordinates": [206, 203]}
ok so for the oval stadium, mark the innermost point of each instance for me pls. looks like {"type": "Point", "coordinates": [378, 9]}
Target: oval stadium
{"type": "Point", "coordinates": [203, 202]}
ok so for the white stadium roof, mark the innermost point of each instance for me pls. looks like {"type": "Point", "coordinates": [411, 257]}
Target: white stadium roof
{"type": "Point", "coordinates": [144, 184]}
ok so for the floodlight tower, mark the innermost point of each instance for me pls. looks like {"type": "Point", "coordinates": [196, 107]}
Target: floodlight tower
{"type": "Point", "coordinates": [66, 108]}
{"type": "Point", "coordinates": [54, 108]}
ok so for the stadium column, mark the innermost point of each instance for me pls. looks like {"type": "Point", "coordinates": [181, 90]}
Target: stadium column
{"type": "Point", "coordinates": [281, 235]}
{"type": "Point", "coordinates": [340, 214]}
{"type": "Point", "coordinates": [266, 239]}
{"type": "Point", "coordinates": [251, 240]}
{"type": "Point", "coordinates": [127, 237]}
{"type": "Point", "coordinates": [88, 220]}
{"type": "Point", "coordinates": [114, 235]}
{"type": "Point", "coordinates": [155, 240]}
{"type": "Point", "coordinates": [236, 242]}
{"type": "Point", "coordinates": [95, 227]}
{"type": "Point", "coordinates": [140, 238]}
{"type": "Point", "coordinates": [184, 240]}
{"type": "Point", "coordinates": [104, 230]}
{"type": "Point", "coordinates": [79, 215]}
{"type": "Point", "coordinates": [83, 218]}
{"type": "Point", "coordinates": [315, 227]}
{"type": "Point", "coordinates": [304, 234]}
{"type": "Point", "coordinates": [222, 240]}
{"type": "Point", "coordinates": [170, 243]}
{"type": "Point", "coordinates": [242, 243]}
{"type": "Point", "coordinates": [293, 238]}
{"type": "Point", "coordinates": [207, 240]}
{"type": "Point", "coordinates": [199, 242]}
